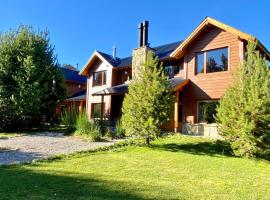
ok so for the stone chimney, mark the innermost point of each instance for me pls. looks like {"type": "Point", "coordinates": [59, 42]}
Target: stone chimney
{"type": "Point", "coordinates": [139, 54]}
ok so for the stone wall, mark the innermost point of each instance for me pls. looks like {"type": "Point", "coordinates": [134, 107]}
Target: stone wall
{"type": "Point", "coordinates": [206, 130]}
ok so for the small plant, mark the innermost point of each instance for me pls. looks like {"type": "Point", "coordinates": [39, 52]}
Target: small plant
{"type": "Point", "coordinates": [119, 130]}
{"type": "Point", "coordinates": [84, 127]}
{"type": "Point", "coordinates": [68, 118]}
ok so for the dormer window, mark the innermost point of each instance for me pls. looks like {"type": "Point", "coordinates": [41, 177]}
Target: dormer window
{"type": "Point", "coordinates": [99, 78]}
{"type": "Point", "coordinates": [215, 60]}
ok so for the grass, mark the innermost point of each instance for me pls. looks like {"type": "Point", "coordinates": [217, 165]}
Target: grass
{"type": "Point", "coordinates": [8, 135]}
{"type": "Point", "coordinates": [176, 167]}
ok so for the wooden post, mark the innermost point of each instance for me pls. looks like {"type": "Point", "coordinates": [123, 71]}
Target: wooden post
{"type": "Point", "coordinates": [176, 105]}
{"type": "Point", "coordinates": [81, 106]}
{"type": "Point", "coordinates": [102, 107]}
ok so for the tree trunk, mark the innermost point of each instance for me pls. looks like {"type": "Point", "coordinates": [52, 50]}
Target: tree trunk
{"type": "Point", "coordinates": [148, 141]}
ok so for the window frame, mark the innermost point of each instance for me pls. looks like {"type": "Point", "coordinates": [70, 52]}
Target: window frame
{"type": "Point", "coordinates": [103, 78]}
{"type": "Point", "coordinates": [205, 61]}
{"type": "Point", "coordinates": [92, 109]}
{"type": "Point", "coordinates": [197, 109]}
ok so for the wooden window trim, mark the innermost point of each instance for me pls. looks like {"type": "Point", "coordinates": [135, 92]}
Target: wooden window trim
{"type": "Point", "coordinates": [103, 80]}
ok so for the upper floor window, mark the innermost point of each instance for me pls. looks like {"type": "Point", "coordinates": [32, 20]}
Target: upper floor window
{"type": "Point", "coordinates": [212, 61]}
{"type": "Point", "coordinates": [200, 62]}
{"type": "Point", "coordinates": [171, 70]}
{"type": "Point", "coordinates": [99, 78]}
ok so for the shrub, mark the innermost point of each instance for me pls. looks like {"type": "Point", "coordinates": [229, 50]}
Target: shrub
{"type": "Point", "coordinates": [244, 111]}
{"type": "Point", "coordinates": [84, 127]}
{"type": "Point", "coordinates": [119, 130]}
{"type": "Point", "coordinates": [68, 118]}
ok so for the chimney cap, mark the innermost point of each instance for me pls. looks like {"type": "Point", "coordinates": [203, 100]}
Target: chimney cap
{"type": "Point", "coordinates": [140, 25]}
{"type": "Point", "coordinates": [145, 23]}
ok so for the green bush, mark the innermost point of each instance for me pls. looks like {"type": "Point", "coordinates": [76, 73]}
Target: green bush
{"type": "Point", "coordinates": [68, 118]}
{"type": "Point", "coordinates": [84, 127]}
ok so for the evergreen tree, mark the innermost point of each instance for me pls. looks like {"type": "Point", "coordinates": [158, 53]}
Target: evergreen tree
{"type": "Point", "coordinates": [31, 83]}
{"type": "Point", "coordinates": [244, 111]}
{"type": "Point", "coordinates": [148, 104]}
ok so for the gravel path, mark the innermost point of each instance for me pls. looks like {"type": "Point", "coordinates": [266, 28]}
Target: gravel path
{"type": "Point", "coordinates": [23, 149]}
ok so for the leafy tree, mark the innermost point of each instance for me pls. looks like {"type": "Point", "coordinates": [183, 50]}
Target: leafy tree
{"type": "Point", "coordinates": [148, 104]}
{"type": "Point", "coordinates": [244, 111]}
{"type": "Point", "coordinates": [31, 84]}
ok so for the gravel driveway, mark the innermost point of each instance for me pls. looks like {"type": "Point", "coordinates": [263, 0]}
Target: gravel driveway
{"type": "Point", "coordinates": [27, 148]}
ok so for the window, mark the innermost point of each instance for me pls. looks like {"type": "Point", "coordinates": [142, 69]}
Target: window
{"type": "Point", "coordinates": [96, 110]}
{"type": "Point", "coordinates": [217, 60]}
{"type": "Point", "coordinates": [99, 78]}
{"type": "Point", "coordinates": [207, 111]}
{"type": "Point", "coordinates": [200, 62]}
{"type": "Point", "coordinates": [171, 70]}
{"type": "Point", "coordinates": [212, 61]}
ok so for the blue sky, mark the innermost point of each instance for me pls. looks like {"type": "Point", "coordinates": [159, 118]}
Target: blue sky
{"type": "Point", "coordinates": [78, 27]}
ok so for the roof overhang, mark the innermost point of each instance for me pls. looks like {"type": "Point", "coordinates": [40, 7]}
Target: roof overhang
{"type": "Point", "coordinates": [89, 63]}
{"type": "Point", "coordinates": [180, 50]}
{"type": "Point", "coordinates": [177, 83]}
{"type": "Point", "coordinates": [77, 98]}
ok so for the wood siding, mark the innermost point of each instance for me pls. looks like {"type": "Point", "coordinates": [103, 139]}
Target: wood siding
{"type": "Point", "coordinates": [207, 86]}
{"type": "Point", "coordinates": [212, 85]}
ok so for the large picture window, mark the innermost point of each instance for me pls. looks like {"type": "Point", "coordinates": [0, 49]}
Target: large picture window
{"type": "Point", "coordinates": [207, 111]}
{"type": "Point", "coordinates": [215, 60]}
{"type": "Point", "coordinates": [99, 78]}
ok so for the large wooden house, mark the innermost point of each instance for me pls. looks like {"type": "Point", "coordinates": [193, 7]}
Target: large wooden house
{"type": "Point", "coordinates": [200, 68]}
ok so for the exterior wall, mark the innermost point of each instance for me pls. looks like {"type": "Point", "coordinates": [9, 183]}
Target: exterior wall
{"type": "Point", "coordinates": [101, 66]}
{"type": "Point", "coordinates": [212, 38]}
{"type": "Point", "coordinates": [121, 75]}
{"type": "Point", "coordinates": [73, 88]}
{"type": "Point", "coordinates": [209, 86]}
{"type": "Point", "coordinates": [206, 130]}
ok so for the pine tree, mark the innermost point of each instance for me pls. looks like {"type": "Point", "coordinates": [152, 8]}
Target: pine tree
{"type": "Point", "coordinates": [244, 111]}
{"type": "Point", "coordinates": [148, 104]}
{"type": "Point", "coordinates": [31, 83]}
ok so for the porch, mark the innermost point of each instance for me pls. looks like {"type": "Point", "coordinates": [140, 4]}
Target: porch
{"type": "Point", "coordinates": [118, 92]}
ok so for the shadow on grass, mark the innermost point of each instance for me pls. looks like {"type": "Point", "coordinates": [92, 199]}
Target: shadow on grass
{"type": "Point", "coordinates": [20, 183]}
{"type": "Point", "coordinates": [216, 148]}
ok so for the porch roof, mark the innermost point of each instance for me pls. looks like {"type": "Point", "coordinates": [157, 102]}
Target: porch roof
{"type": "Point", "coordinates": [80, 96]}
{"type": "Point", "coordinates": [176, 83]}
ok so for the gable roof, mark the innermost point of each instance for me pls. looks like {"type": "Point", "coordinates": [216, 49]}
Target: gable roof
{"type": "Point", "coordinates": [162, 51]}
{"type": "Point", "coordinates": [73, 76]}
{"type": "Point", "coordinates": [208, 20]}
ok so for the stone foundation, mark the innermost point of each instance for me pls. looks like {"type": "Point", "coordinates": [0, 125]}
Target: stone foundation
{"type": "Point", "coordinates": [206, 130]}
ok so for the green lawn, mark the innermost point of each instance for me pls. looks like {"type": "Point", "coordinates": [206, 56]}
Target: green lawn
{"type": "Point", "coordinates": [177, 167]}
{"type": "Point", "coordinates": [7, 135]}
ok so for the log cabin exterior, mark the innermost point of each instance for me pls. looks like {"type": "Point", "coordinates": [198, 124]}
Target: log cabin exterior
{"type": "Point", "coordinates": [200, 68]}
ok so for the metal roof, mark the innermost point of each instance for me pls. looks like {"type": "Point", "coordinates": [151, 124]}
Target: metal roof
{"type": "Point", "coordinates": [123, 88]}
{"type": "Point", "coordinates": [80, 96]}
{"type": "Point", "coordinates": [72, 75]}
{"type": "Point", "coordinates": [162, 51]}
